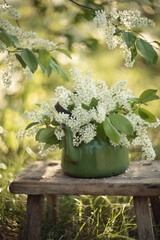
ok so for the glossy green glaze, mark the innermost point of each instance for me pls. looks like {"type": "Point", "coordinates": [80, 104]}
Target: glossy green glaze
{"type": "Point", "coordinates": [93, 160]}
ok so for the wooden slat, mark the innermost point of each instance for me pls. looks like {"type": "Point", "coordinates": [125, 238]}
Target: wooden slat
{"type": "Point", "coordinates": [143, 217]}
{"type": "Point", "coordinates": [33, 221]}
{"type": "Point", "coordinates": [141, 179]}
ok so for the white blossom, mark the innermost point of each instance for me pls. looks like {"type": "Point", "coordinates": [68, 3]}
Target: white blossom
{"type": "Point", "coordinates": [83, 117]}
{"type": "Point", "coordinates": [100, 19]}
{"type": "Point", "coordinates": [128, 20]}
{"type": "Point", "coordinates": [28, 40]}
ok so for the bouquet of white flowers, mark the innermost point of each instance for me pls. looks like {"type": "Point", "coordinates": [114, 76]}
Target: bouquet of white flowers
{"type": "Point", "coordinates": [92, 109]}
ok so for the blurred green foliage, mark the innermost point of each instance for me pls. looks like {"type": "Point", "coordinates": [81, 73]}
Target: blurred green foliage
{"type": "Point", "coordinates": [62, 21]}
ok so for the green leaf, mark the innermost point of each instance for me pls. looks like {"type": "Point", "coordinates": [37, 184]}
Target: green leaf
{"type": "Point", "coordinates": [42, 68]}
{"type": "Point", "coordinates": [117, 32]}
{"type": "Point", "coordinates": [71, 107]}
{"type": "Point", "coordinates": [64, 51]}
{"type": "Point", "coordinates": [44, 133]}
{"type": "Point", "coordinates": [49, 71]}
{"type": "Point", "coordinates": [52, 140]}
{"type": "Point", "coordinates": [44, 58]}
{"type": "Point", "coordinates": [20, 60]}
{"type": "Point", "coordinates": [129, 38]}
{"type": "Point", "coordinates": [31, 125]}
{"type": "Point", "coordinates": [63, 74]}
{"type": "Point", "coordinates": [93, 103]}
{"type": "Point", "coordinates": [147, 51]}
{"type": "Point", "coordinates": [5, 38]}
{"type": "Point", "coordinates": [62, 143]}
{"type": "Point", "coordinates": [133, 52]}
{"type": "Point", "coordinates": [55, 123]}
{"type": "Point", "coordinates": [110, 131]}
{"type": "Point", "coordinates": [131, 137]}
{"type": "Point", "coordinates": [135, 100]}
{"type": "Point", "coordinates": [158, 43]}
{"type": "Point", "coordinates": [86, 107]}
{"type": "Point", "coordinates": [146, 115]}
{"type": "Point", "coordinates": [148, 95]}
{"type": "Point", "coordinates": [100, 131]}
{"type": "Point", "coordinates": [8, 39]}
{"type": "Point", "coordinates": [121, 123]}
{"type": "Point", "coordinates": [15, 40]}
{"type": "Point", "coordinates": [54, 66]}
{"type": "Point", "coordinates": [30, 59]}
{"type": "Point", "coordinates": [58, 70]}
{"type": "Point", "coordinates": [46, 146]}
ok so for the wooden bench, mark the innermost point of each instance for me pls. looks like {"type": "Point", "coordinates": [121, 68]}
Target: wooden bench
{"type": "Point", "coordinates": [141, 180]}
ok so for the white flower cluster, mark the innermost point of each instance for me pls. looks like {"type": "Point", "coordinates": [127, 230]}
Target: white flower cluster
{"type": "Point", "coordinates": [28, 40]}
{"type": "Point", "coordinates": [81, 120]}
{"type": "Point", "coordinates": [11, 12]}
{"type": "Point", "coordinates": [128, 20]}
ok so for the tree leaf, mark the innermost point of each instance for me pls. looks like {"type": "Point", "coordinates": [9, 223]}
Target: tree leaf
{"type": "Point", "coordinates": [158, 43]}
{"type": "Point", "coordinates": [93, 103]}
{"type": "Point", "coordinates": [55, 123]}
{"type": "Point", "coordinates": [31, 125]}
{"type": "Point", "coordinates": [44, 133]}
{"type": "Point", "coordinates": [135, 100]}
{"type": "Point", "coordinates": [64, 51]}
{"type": "Point", "coordinates": [86, 107]}
{"type": "Point", "coordinates": [100, 131]}
{"type": "Point", "coordinates": [58, 70]}
{"type": "Point", "coordinates": [146, 115]}
{"type": "Point", "coordinates": [52, 140]}
{"type": "Point", "coordinates": [30, 59]}
{"type": "Point", "coordinates": [121, 123]}
{"type": "Point", "coordinates": [46, 146]}
{"type": "Point", "coordinates": [117, 32]}
{"type": "Point", "coordinates": [63, 74]}
{"type": "Point", "coordinates": [15, 40]}
{"type": "Point", "coordinates": [71, 107]}
{"type": "Point", "coordinates": [5, 38]}
{"type": "Point", "coordinates": [148, 95]}
{"type": "Point", "coordinates": [61, 144]}
{"type": "Point", "coordinates": [147, 51]}
{"type": "Point", "coordinates": [20, 60]}
{"type": "Point", "coordinates": [54, 66]}
{"type": "Point", "coordinates": [49, 71]}
{"type": "Point", "coordinates": [129, 38]}
{"type": "Point", "coordinates": [110, 131]}
{"type": "Point", "coordinates": [133, 52]}
{"type": "Point", "coordinates": [44, 58]}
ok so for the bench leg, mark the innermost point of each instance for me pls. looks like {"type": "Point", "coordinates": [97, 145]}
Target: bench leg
{"type": "Point", "coordinates": [143, 216]}
{"type": "Point", "coordinates": [155, 203]}
{"type": "Point", "coordinates": [34, 212]}
{"type": "Point", "coordinates": [51, 208]}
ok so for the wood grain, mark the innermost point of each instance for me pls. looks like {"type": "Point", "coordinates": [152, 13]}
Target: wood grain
{"type": "Point", "coordinates": [51, 209]}
{"type": "Point", "coordinates": [46, 177]}
{"type": "Point", "coordinates": [155, 203]}
{"type": "Point", "coordinates": [33, 221]}
{"type": "Point", "coordinates": [143, 217]}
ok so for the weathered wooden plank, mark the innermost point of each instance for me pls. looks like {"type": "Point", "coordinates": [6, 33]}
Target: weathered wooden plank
{"type": "Point", "coordinates": [141, 179]}
{"type": "Point", "coordinates": [51, 208]}
{"type": "Point", "coordinates": [155, 203]}
{"type": "Point", "coordinates": [33, 221]}
{"type": "Point", "coordinates": [143, 217]}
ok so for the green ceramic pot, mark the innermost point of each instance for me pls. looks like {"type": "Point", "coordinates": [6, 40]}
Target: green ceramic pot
{"type": "Point", "coordinates": [93, 160]}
